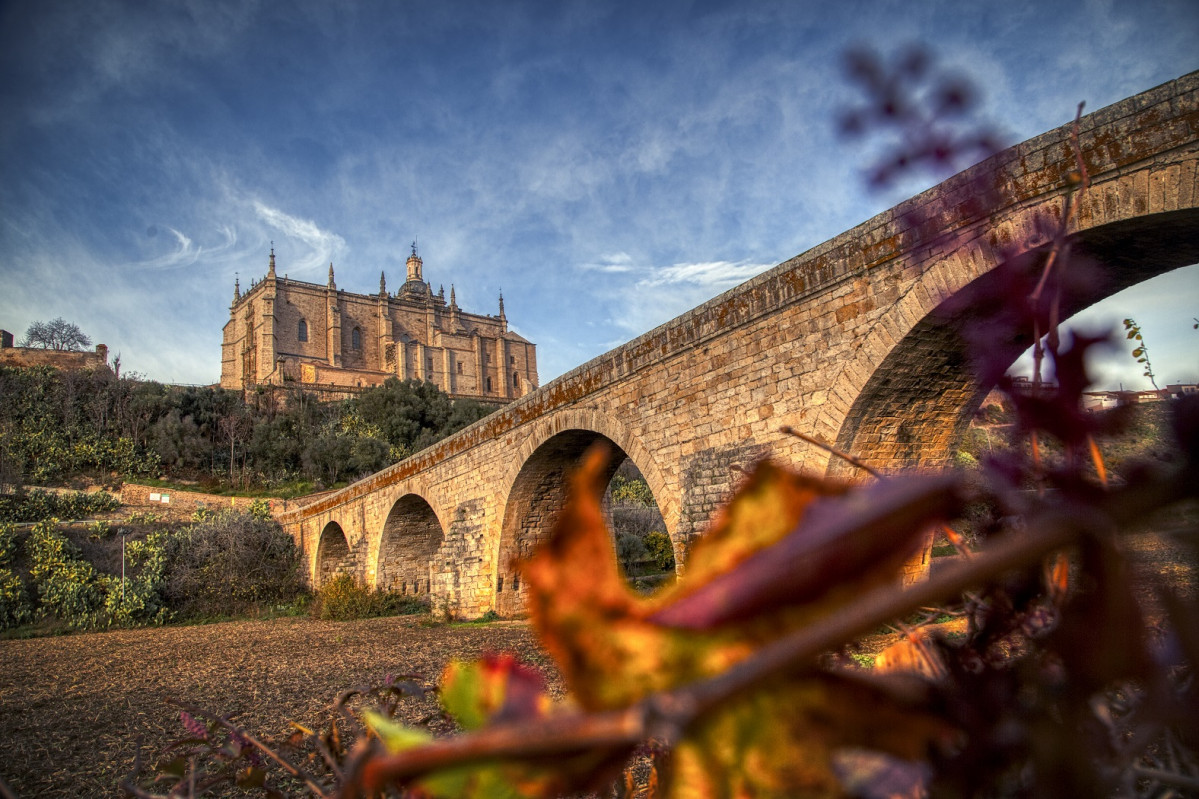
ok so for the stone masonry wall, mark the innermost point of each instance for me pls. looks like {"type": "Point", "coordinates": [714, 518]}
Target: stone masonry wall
{"type": "Point", "coordinates": [25, 357]}
{"type": "Point", "coordinates": [136, 495]}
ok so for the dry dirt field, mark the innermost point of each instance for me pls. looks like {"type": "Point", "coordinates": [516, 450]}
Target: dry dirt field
{"type": "Point", "coordinates": [72, 707]}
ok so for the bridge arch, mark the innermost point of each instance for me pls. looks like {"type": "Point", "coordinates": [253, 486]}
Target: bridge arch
{"type": "Point", "coordinates": [412, 534]}
{"type": "Point", "coordinates": [536, 489]}
{"type": "Point", "coordinates": [332, 555]}
{"type": "Point", "coordinates": [917, 402]}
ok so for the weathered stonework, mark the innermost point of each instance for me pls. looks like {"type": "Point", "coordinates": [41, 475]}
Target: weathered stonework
{"type": "Point", "coordinates": [169, 499]}
{"type": "Point", "coordinates": [26, 357]}
{"type": "Point", "coordinates": [855, 341]}
{"type": "Point", "coordinates": [288, 332]}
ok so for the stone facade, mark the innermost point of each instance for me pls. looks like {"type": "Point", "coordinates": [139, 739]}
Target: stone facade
{"type": "Point", "coordinates": [25, 357]}
{"type": "Point", "coordinates": [288, 332]}
{"type": "Point", "coordinates": [856, 341]}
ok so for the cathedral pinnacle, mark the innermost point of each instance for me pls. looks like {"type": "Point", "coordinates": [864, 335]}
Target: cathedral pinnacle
{"type": "Point", "coordinates": [382, 284]}
{"type": "Point", "coordinates": [236, 287]}
{"type": "Point", "coordinates": [502, 305]}
{"type": "Point", "coordinates": [271, 271]}
{"type": "Point", "coordinates": [453, 299]}
{"type": "Point", "coordinates": [331, 283]}
{"type": "Point", "coordinates": [414, 265]}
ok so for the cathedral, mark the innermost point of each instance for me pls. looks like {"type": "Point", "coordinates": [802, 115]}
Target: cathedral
{"type": "Point", "coordinates": [284, 332]}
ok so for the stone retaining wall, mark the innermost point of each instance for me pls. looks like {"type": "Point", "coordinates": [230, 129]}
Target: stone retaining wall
{"type": "Point", "coordinates": [136, 495]}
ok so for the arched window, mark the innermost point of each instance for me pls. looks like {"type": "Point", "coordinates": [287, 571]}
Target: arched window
{"type": "Point", "coordinates": [516, 380]}
{"type": "Point", "coordinates": [356, 339]}
{"type": "Point", "coordinates": [302, 334]}
{"type": "Point", "coordinates": [489, 385]}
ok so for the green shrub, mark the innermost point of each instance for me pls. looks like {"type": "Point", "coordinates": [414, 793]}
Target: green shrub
{"type": "Point", "coordinates": [343, 599]}
{"type": "Point", "coordinates": [8, 543]}
{"type": "Point", "coordinates": [230, 563]}
{"type": "Point", "coordinates": [67, 585]}
{"type": "Point", "coordinates": [138, 599]}
{"type": "Point", "coordinates": [15, 607]}
{"type": "Point", "coordinates": [71, 589]}
{"type": "Point", "coordinates": [633, 491]}
{"type": "Point", "coordinates": [260, 510]}
{"type": "Point", "coordinates": [40, 505]}
{"type": "Point", "coordinates": [630, 549]}
{"type": "Point", "coordinates": [660, 550]}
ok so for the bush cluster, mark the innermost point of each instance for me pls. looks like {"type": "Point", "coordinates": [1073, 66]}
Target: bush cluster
{"type": "Point", "coordinates": [71, 588]}
{"type": "Point", "coordinates": [55, 423]}
{"type": "Point", "coordinates": [659, 549]}
{"type": "Point", "coordinates": [15, 607]}
{"type": "Point", "coordinates": [229, 563]}
{"type": "Point", "coordinates": [40, 505]}
{"type": "Point", "coordinates": [343, 599]}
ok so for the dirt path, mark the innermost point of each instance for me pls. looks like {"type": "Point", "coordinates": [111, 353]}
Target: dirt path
{"type": "Point", "coordinates": [72, 707]}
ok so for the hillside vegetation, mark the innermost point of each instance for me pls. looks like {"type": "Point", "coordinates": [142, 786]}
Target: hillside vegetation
{"type": "Point", "coordinates": [57, 426]}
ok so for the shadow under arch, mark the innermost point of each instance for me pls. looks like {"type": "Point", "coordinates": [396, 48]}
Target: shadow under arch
{"type": "Point", "coordinates": [534, 502]}
{"type": "Point", "coordinates": [918, 402]}
{"type": "Point", "coordinates": [332, 555]}
{"type": "Point", "coordinates": [412, 534]}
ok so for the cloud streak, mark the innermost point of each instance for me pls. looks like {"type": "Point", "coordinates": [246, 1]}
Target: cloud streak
{"type": "Point", "coordinates": [324, 247]}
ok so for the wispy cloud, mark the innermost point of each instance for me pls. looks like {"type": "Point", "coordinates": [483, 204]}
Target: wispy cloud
{"type": "Point", "coordinates": [186, 252]}
{"type": "Point", "coordinates": [663, 292]}
{"type": "Point", "coordinates": [717, 275]}
{"type": "Point", "coordinates": [323, 245]}
{"type": "Point", "coordinates": [615, 263]}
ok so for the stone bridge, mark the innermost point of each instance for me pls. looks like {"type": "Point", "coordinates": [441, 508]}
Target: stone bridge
{"type": "Point", "coordinates": [855, 341]}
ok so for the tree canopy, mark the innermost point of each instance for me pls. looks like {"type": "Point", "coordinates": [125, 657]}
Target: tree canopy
{"type": "Point", "coordinates": [57, 334]}
{"type": "Point", "coordinates": [55, 423]}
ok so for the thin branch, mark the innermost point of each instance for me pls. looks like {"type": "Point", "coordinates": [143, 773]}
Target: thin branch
{"type": "Point", "coordinates": [566, 734]}
{"type": "Point", "coordinates": [312, 784]}
{"type": "Point", "coordinates": [787, 430]}
{"type": "Point", "coordinates": [1167, 777]}
{"type": "Point", "coordinates": [5, 791]}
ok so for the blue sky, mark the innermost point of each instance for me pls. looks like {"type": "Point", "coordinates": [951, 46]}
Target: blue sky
{"type": "Point", "coordinates": [606, 165]}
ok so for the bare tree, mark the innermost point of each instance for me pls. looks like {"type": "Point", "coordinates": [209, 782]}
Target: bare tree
{"type": "Point", "coordinates": [57, 334]}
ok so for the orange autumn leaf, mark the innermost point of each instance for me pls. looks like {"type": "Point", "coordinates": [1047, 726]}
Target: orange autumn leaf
{"type": "Point", "coordinates": [615, 648]}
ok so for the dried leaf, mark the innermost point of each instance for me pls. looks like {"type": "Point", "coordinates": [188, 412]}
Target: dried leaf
{"type": "Point", "coordinates": [786, 550]}
{"type": "Point", "coordinates": [841, 545]}
{"type": "Point", "coordinates": [251, 777]}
